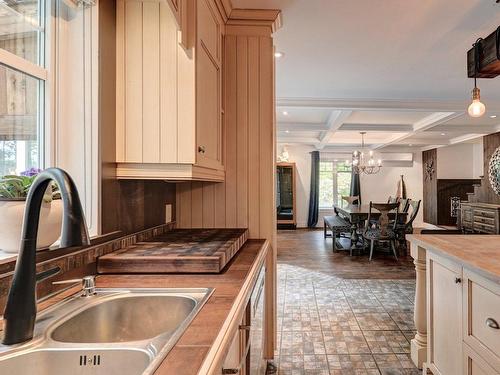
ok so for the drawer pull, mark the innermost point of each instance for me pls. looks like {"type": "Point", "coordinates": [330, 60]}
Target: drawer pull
{"type": "Point", "coordinates": [230, 371]}
{"type": "Point", "coordinates": [492, 323]}
{"type": "Point", "coordinates": [201, 149]}
{"type": "Point", "coordinates": [458, 280]}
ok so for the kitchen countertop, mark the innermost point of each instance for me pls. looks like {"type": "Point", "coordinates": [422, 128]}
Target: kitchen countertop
{"type": "Point", "coordinates": [480, 253]}
{"type": "Point", "coordinates": [204, 339]}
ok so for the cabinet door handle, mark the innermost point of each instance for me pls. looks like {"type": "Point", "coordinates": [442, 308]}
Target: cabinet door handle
{"type": "Point", "coordinates": [201, 149]}
{"type": "Point", "coordinates": [492, 323]}
{"type": "Point", "coordinates": [458, 280]}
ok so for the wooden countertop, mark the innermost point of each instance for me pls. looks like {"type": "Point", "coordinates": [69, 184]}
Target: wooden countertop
{"type": "Point", "coordinates": [205, 340]}
{"type": "Point", "coordinates": [206, 336]}
{"type": "Point", "coordinates": [480, 253]}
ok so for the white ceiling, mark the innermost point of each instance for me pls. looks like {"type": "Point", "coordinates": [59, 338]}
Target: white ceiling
{"type": "Point", "coordinates": [396, 69]}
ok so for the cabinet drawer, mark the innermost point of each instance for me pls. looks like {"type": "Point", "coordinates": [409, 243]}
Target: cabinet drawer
{"type": "Point", "coordinates": [485, 213]}
{"type": "Point", "coordinates": [482, 317]}
{"type": "Point", "coordinates": [485, 228]}
{"type": "Point", "coordinates": [474, 364]}
{"type": "Point", "coordinates": [485, 220]}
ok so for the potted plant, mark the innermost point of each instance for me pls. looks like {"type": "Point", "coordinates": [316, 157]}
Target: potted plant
{"type": "Point", "coordinates": [13, 192]}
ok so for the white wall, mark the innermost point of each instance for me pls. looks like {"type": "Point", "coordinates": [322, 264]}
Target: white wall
{"type": "Point", "coordinates": [373, 188]}
{"type": "Point", "coordinates": [460, 161]}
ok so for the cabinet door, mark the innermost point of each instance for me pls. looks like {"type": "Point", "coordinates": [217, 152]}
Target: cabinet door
{"type": "Point", "coordinates": [474, 364]}
{"type": "Point", "coordinates": [208, 120]}
{"type": "Point", "coordinates": [444, 324]}
{"type": "Point", "coordinates": [208, 88]}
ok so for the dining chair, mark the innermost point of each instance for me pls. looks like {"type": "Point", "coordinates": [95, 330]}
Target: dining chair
{"type": "Point", "coordinates": [392, 199]}
{"type": "Point", "coordinates": [402, 229]}
{"type": "Point", "coordinates": [379, 228]}
{"type": "Point", "coordinates": [351, 199]}
{"type": "Point", "coordinates": [404, 205]}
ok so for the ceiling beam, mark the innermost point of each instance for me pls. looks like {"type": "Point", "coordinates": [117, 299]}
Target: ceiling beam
{"type": "Point", "coordinates": [301, 126]}
{"type": "Point", "coordinates": [465, 138]}
{"type": "Point", "coordinates": [395, 128]}
{"type": "Point", "coordinates": [335, 121]}
{"type": "Point", "coordinates": [382, 104]}
{"type": "Point", "coordinates": [428, 122]}
{"type": "Point", "coordinates": [445, 128]}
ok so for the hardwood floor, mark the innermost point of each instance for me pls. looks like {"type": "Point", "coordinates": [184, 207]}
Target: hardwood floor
{"type": "Point", "coordinates": [341, 315]}
{"type": "Point", "coordinates": [309, 249]}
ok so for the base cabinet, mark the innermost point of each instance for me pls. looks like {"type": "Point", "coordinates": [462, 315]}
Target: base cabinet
{"type": "Point", "coordinates": [463, 320]}
{"type": "Point", "coordinates": [444, 315]}
{"type": "Point", "coordinates": [245, 355]}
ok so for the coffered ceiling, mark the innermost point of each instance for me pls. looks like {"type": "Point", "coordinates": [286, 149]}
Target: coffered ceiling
{"type": "Point", "coordinates": [395, 69]}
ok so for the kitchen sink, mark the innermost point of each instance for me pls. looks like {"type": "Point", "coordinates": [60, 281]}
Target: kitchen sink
{"type": "Point", "coordinates": [115, 331]}
{"type": "Point", "coordinates": [129, 318]}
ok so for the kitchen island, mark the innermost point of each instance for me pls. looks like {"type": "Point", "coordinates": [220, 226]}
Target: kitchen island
{"type": "Point", "coordinates": [457, 303]}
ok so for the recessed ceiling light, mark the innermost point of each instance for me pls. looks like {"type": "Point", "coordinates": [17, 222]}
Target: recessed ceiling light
{"type": "Point", "coordinates": [443, 133]}
{"type": "Point", "coordinates": [285, 113]}
{"type": "Point", "coordinates": [493, 116]}
{"type": "Point", "coordinates": [410, 145]}
{"type": "Point", "coordinates": [335, 160]}
{"type": "Point", "coordinates": [287, 131]}
{"type": "Point", "coordinates": [278, 54]}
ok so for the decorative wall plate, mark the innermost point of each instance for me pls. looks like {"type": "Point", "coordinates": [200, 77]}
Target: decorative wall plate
{"type": "Point", "coordinates": [494, 171]}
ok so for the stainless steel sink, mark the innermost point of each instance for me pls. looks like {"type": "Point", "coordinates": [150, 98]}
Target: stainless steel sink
{"type": "Point", "coordinates": [116, 331]}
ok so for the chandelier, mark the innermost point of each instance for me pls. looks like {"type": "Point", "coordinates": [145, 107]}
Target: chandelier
{"type": "Point", "coordinates": [363, 162]}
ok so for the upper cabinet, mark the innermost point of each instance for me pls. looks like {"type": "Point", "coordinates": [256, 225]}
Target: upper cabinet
{"type": "Point", "coordinates": [169, 113]}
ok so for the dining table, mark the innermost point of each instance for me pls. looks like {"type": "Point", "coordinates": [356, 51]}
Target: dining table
{"type": "Point", "coordinates": [357, 214]}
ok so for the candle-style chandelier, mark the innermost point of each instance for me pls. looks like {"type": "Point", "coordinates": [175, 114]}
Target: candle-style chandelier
{"type": "Point", "coordinates": [363, 161]}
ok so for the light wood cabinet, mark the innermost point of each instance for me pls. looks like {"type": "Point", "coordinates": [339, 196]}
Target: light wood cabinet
{"type": "Point", "coordinates": [463, 315]}
{"type": "Point", "coordinates": [169, 123]}
{"type": "Point", "coordinates": [245, 353]}
{"type": "Point", "coordinates": [444, 315]}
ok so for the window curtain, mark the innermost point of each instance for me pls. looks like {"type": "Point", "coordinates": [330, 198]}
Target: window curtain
{"type": "Point", "coordinates": [312, 220]}
{"type": "Point", "coordinates": [355, 186]}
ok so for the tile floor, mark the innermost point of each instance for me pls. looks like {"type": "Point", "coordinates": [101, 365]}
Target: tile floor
{"type": "Point", "coordinates": [329, 324]}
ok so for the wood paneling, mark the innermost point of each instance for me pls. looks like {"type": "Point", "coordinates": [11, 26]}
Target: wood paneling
{"type": "Point", "coordinates": [485, 193]}
{"type": "Point", "coordinates": [246, 198]}
{"type": "Point", "coordinates": [429, 202]}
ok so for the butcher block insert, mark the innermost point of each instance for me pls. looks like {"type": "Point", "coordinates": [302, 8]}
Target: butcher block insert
{"type": "Point", "coordinates": [177, 251]}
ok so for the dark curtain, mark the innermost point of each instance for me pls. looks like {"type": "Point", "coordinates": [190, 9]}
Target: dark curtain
{"type": "Point", "coordinates": [355, 186]}
{"type": "Point", "coordinates": [312, 220]}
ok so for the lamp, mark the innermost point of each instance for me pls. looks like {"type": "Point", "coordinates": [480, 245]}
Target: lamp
{"type": "Point", "coordinates": [476, 108]}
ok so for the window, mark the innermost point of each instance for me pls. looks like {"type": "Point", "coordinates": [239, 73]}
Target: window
{"type": "Point", "coordinates": [22, 83]}
{"type": "Point", "coordinates": [334, 182]}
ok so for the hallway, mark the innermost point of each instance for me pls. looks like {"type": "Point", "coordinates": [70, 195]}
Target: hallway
{"type": "Point", "coordinates": [342, 315]}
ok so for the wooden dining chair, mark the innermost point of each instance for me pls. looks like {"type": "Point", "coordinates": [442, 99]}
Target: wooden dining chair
{"type": "Point", "coordinates": [351, 199]}
{"type": "Point", "coordinates": [380, 228]}
{"type": "Point", "coordinates": [404, 205]}
{"type": "Point", "coordinates": [402, 229]}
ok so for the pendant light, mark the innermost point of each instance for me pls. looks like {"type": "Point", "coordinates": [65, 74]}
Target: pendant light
{"type": "Point", "coordinates": [476, 108]}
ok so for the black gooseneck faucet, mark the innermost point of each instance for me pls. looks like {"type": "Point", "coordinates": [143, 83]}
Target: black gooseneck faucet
{"type": "Point", "coordinates": [20, 310]}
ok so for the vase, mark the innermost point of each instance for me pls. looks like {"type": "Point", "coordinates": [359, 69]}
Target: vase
{"type": "Point", "coordinates": [11, 223]}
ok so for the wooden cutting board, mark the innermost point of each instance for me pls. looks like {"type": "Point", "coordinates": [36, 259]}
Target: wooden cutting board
{"type": "Point", "coordinates": [177, 251]}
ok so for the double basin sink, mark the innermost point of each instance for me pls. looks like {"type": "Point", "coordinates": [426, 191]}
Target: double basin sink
{"type": "Point", "coordinates": [115, 331]}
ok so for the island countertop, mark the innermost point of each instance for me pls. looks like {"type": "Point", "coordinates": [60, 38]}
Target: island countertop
{"type": "Point", "coordinates": [480, 253]}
